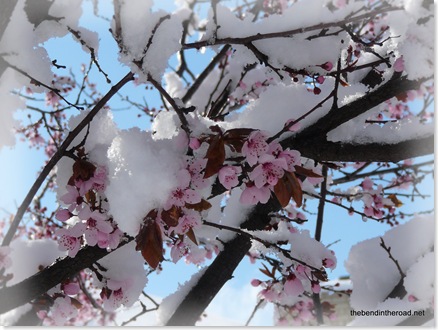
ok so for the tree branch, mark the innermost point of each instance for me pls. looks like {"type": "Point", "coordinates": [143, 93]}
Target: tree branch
{"type": "Point", "coordinates": [58, 155]}
{"type": "Point", "coordinates": [38, 284]}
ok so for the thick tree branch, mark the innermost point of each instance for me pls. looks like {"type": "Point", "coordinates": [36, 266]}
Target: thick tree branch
{"type": "Point", "coordinates": [222, 268]}
{"type": "Point", "coordinates": [38, 284]}
{"type": "Point", "coordinates": [321, 150]}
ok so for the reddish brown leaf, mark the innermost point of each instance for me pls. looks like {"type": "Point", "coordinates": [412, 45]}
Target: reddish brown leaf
{"type": "Point", "coordinates": [343, 83]}
{"type": "Point", "coordinates": [201, 206]}
{"type": "Point", "coordinates": [215, 155]}
{"type": "Point", "coordinates": [297, 192]}
{"type": "Point", "coordinates": [320, 275]}
{"type": "Point", "coordinates": [83, 170]}
{"type": "Point", "coordinates": [306, 172]}
{"type": "Point", "coordinates": [75, 303]}
{"type": "Point", "coordinates": [190, 234]}
{"type": "Point", "coordinates": [283, 191]}
{"type": "Point", "coordinates": [171, 216]}
{"type": "Point", "coordinates": [235, 138]}
{"type": "Point", "coordinates": [149, 240]}
{"type": "Point", "coordinates": [266, 271]}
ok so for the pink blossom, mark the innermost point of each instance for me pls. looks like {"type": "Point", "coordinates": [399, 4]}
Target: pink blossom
{"type": "Point", "coordinates": [412, 298]}
{"type": "Point", "coordinates": [255, 282]}
{"type": "Point", "coordinates": [195, 168]}
{"type": "Point", "coordinates": [72, 197]}
{"type": "Point", "coordinates": [194, 143]}
{"type": "Point", "coordinates": [251, 195]}
{"type": "Point", "coordinates": [367, 184]}
{"type": "Point", "coordinates": [328, 66]}
{"type": "Point", "coordinates": [254, 147]}
{"type": "Point", "coordinates": [70, 239]}
{"type": "Point", "coordinates": [228, 176]}
{"type": "Point", "coordinates": [399, 64]}
{"type": "Point", "coordinates": [329, 263]}
{"type": "Point", "coordinates": [293, 286]}
{"type": "Point", "coordinates": [269, 171]}
{"type": "Point", "coordinates": [242, 85]}
{"type": "Point", "coordinates": [62, 310]}
{"type": "Point", "coordinates": [5, 260]}
{"type": "Point", "coordinates": [340, 3]}
{"type": "Point", "coordinates": [70, 288]}
{"type": "Point", "coordinates": [316, 288]}
{"type": "Point", "coordinates": [117, 297]}
{"type": "Point", "coordinates": [295, 127]}
{"type": "Point", "coordinates": [191, 219]}
{"type": "Point", "coordinates": [63, 215]}
{"type": "Point", "coordinates": [178, 251]}
{"type": "Point", "coordinates": [292, 157]}
{"type": "Point", "coordinates": [320, 79]}
{"type": "Point", "coordinates": [269, 294]}
{"type": "Point", "coordinates": [99, 178]}
{"type": "Point", "coordinates": [182, 195]}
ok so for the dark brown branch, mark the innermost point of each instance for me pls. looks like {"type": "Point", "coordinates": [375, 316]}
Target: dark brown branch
{"type": "Point", "coordinates": [388, 250]}
{"type": "Point", "coordinates": [322, 150]}
{"type": "Point", "coordinates": [193, 88]}
{"type": "Point", "coordinates": [38, 284]}
{"type": "Point", "coordinates": [59, 154]}
{"type": "Point", "coordinates": [222, 268]}
{"type": "Point", "coordinates": [284, 34]}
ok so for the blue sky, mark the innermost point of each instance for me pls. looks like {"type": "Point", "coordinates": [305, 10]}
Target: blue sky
{"type": "Point", "coordinates": [20, 166]}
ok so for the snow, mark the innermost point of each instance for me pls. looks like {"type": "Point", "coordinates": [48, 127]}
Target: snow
{"type": "Point", "coordinates": [125, 265]}
{"type": "Point", "coordinates": [138, 23]}
{"type": "Point", "coordinates": [374, 275]}
{"type": "Point", "coordinates": [170, 303]}
{"type": "Point", "coordinates": [10, 102]}
{"type": "Point", "coordinates": [277, 105]}
{"type": "Point", "coordinates": [142, 173]}
{"type": "Point", "coordinates": [356, 131]}
{"type": "Point", "coordinates": [28, 256]}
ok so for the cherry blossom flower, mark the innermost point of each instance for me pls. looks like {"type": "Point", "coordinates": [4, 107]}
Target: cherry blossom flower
{"type": "Point", "coordinates": [98, 227]}
{"type": "Point", "coordinates": [195, 168]}
{"type": "Point", "coordinates": [228, 176]}
{"type": "Point", "coordinates": [63, 215]}
{"type": "Point", "coordinates": [194, 143]}
{"type": "Point", "coordinates": [183, 194]}
{"type": "Point", "coordinates": [63, 310]}
{"type": "Point", "coordinates": [5, 260]}
{"type": "Point", "coordinates": [178, 251]}
{"type": "Point", "coordinates": [70, 288]}
{"type": "Point", "coordinates": [191, 219]}
{"type": "Point", "coordinates": [72, 198]}
{"type": "Point", "coordinates": [316, 288]}
{"type": "Point", "coordinates": [252, 195]}
{"type": "Point", "coordinates": [367, 184]}
{"type": "Point", "coordinates": [269, 171]}
{"type": "Point", "coordinates": [117, 296]}
{"type": "Point", "coordinates": [399, 64]}
{"type": "Point", "coordinates": [254, 147]}
{"type": "Point", "coordinates": [293, 286]}
{"type": "Point", "coordinates": [70, 239]}
{"type": "Point", "coordinates": [292, 157]}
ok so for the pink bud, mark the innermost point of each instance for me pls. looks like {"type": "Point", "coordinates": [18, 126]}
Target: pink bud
{"type": "Point", "coordinates": [71, 288]}
{"type": "Point", "coordinates": [194, 143]}
{"type": "Point", "coordinates": [255, 282]}
{"type": "Point", "coordinates": [328, 263]}
{"type": "Point", "coordinates": [327, 66]}
{"type": "Point", "coordinates": [293, 286]}
{"type": "Point", "coordinates": [316, 288]}
{"type": "Point", "coordinates": [320, 79]}
{"type": "Point", "coordinates": [412, 298]}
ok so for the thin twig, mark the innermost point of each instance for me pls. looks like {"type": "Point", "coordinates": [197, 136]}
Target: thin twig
{"type": "Point", "coordinates": [254, 311]}
{"type": "Point", "coordinates": [388, 250]}
{"type": "Point", "coordinates": [59, 154]}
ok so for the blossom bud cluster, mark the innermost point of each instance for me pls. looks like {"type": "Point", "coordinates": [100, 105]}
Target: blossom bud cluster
{"type": "Point", "coordinates": [85, 214]}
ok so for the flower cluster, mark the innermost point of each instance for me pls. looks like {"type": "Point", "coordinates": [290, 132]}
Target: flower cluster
{"type": "Point", "coordinates": [85, 213]}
